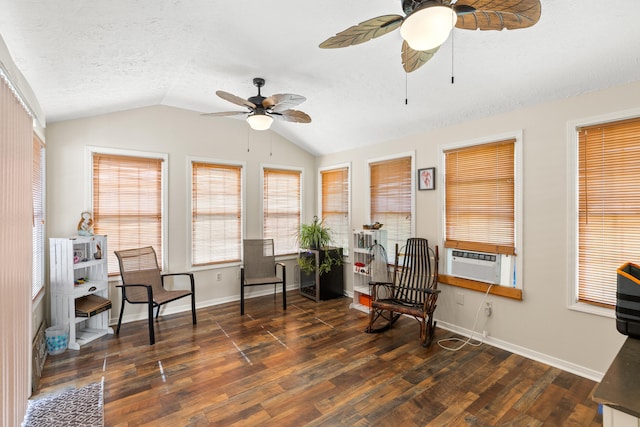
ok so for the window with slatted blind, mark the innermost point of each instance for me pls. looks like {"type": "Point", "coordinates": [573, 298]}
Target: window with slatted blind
{"type": "Point", "coordinates": [128, 202]}
{"type": "Point", "coordinates": [334, 194]}
{"type": "Point", "coordinates": [608, 207]}
{"type": "Point", "coordinates": [480, 197]}
{"type": "Point", "coordinates": [281, 205]}
{"type": "Point", "coordinates": [216, 213]}
{"type": "Point", "coordinates": [391, 198]}
{"type": "Point", "coordinates": [37, 189]}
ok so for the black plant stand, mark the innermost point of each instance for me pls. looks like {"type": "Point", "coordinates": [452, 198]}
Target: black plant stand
{"type": "Point", "coordinates": [328, 285]}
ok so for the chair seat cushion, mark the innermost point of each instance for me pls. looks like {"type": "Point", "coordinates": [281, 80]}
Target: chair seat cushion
{"type": "Point", "coordinates": [262, 280]}
{"type": "Point", "coordinates": [160, 296]}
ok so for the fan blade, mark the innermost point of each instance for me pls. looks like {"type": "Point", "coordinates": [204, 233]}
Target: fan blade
{"type": "Point", "coordinates": [282, 101]}
{"type": "Point", "coordinates": [414, 59]}
{"type": "Point", "coordinates": [225, 113]}
{"type": "Point", "coordinates": [363, 32]}
{"type": "Point", "coordinates": [499, 15]}
{"type": "Point", "coordinates": [235, 99]}
{"type": "Point", "coordinates": [463, 9]}
{"type": "Point", "coordinates": [292, 116]}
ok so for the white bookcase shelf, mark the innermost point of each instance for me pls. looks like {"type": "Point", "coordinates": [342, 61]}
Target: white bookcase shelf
{"type": "Point", "coordinates": [362, 242]}
{"type": "Point", "coordinates": [75, 272]}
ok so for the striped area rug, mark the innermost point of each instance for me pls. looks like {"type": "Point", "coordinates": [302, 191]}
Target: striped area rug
{"type": "Point", "coordinates": [81, 407]}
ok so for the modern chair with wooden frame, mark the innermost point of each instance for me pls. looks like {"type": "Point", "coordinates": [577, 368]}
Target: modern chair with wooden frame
{"type": "Point", "coordinates": [260, 268]}
{"type": "Point", "coordinates": [412, 290]}
{"type": "Point", "coordinates": [143, 283]}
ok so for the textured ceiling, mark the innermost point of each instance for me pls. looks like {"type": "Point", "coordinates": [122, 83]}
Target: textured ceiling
{"type": "Point", "coordinates": [84, 58]}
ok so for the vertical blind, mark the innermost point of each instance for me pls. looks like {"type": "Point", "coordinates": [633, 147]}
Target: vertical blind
{"type": "Point", "coordinates": [335, 204]}
{"type": "Point", "coordinates": [127, 203]}
{"type": "Point", "coordinates": [281, 204]}
{"type": "Point", "coordinates": [216, 213]}
{"type": "Point", "coordinates": [37, 190]}
{"type": "Point", "coordinates": [16, 254]}
{"type": "Point", "coordinates": [608, 207]}
{"type": "Point", "coordinates": [391, 197]}
{"type": "Point", "coordinates": [480, 197]}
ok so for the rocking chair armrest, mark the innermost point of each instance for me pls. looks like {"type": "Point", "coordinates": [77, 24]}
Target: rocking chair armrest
{"type": "Point", "coordinates": [162, 276]}
{"type": "Point", "coordinates": [430, 291]}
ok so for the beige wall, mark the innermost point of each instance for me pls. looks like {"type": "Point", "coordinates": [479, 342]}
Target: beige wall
{"type": "Point", "coordinates": [541, 325]}
{"type": "Point", "coordinates": [180, 134]}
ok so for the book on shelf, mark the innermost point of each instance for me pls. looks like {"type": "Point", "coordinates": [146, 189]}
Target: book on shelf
{"type": "Point", "coordinates": [90, 305]}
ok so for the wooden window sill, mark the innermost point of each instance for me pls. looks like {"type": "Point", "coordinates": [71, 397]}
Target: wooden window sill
{"type": "Point", "coordinates": [502, 291]}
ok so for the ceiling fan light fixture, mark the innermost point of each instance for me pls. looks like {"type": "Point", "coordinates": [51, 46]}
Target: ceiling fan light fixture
{"type": "Point", "coordinates": [259, 120]}
{"type": "Point", "coordinates": [429, 26]}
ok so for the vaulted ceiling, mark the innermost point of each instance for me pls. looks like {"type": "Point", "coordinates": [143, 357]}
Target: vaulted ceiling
{"type": "Point", "coordinates": [84, 58]}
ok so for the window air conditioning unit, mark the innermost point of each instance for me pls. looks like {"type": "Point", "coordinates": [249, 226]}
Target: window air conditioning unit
{"type": "Point", "coordinates": [479, 266]}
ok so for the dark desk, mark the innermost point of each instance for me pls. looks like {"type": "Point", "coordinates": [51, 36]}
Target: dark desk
{"type": "Point", "coordinates": [620, 386]}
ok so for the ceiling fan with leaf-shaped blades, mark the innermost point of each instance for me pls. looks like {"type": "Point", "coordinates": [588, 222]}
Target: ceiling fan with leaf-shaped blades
{"type": "Point", "coordinates": [261, 111]}
{"type": "Point", "coordinates": [428, 23]}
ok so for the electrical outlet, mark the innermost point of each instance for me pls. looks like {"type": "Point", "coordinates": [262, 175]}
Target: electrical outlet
{"type": "Point", "coordinates": [218, 277]}
{"type": "Point", "coordinates": [485, 334]}
{"type": "Point", "coordinates": [460, 298]}
{"type": "Point", "coordinates": [488, 308]}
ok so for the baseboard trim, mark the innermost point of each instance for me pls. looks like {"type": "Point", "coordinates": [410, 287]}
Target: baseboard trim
{"type": "Point", "coordinates": [526, 352]}
{"type": "Point", "coordinates": [174, 308]}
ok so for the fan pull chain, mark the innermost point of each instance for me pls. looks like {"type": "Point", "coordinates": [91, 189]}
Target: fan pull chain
{"type": "Point", "coordinates": [270, 144]}
{"type": "Point", "coordinates": [452, 38]}
{"type": "Point", "coordinates": [248, 138]}
{"type": "Point", "coordinates": [406, 88]}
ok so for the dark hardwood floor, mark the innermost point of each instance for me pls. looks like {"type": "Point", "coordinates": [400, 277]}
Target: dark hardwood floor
{"type": "Point", "coordinates": [312, 365]}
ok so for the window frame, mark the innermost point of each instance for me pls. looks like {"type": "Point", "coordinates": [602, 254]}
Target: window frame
{"type": "Point", "coordinates": [39, 256]}
{"type": "Point", "coordinates": [264, 166]}
{"type": "Point", "coordinates": [330, 168]}
{"type": "Point", "coordinates": [91, 150]}
{"type": "Point", "coordinates": [391, 250]}
{"type": "Point", "coordinates": [510, 292]}
{"type": "Point", "coordinates": [212, 161]}
{"type": "Point", "coordinates": [573, 208]}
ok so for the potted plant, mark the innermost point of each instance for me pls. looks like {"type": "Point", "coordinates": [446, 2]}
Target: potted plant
{"type": "Point", "coordinates": [316, 236]}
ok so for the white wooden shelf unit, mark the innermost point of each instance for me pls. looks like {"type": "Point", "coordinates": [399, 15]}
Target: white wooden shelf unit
{"type": "Point", "coordinates": [72, 260]}
{"type": "Point", "coordinates": [362, 242]}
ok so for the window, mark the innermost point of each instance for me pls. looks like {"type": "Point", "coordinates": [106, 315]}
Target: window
{"type": "Point", "coordinates": [128, 202]}
{"type": "Point", "coordinates": [608, 202]}
{"type": "Point", "coordinates": [281, 208]}
{"type": "Point", "coordinates": [334, 194]}
{"type": "Point", "coordinates": [391, 203]}
{"type": "Point", "coordinates": [483, 215]}
{"type": "Point", "coordinates": [216, 213]}
{"type": "Point", "coordinates": [480, 196]}
{"type": "Point", "coordinates": [37, 190]}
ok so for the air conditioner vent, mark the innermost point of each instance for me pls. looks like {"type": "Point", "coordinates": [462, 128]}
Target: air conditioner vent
{"type": "Point", "coordinates": [479, 266]}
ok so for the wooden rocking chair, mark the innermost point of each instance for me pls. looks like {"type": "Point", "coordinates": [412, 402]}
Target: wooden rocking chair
{"type": "Point", "coordinates": [412, 290]}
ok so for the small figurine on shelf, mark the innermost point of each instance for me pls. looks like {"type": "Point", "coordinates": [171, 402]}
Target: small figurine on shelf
{"type": "Point", "coordinates": [85, 226]}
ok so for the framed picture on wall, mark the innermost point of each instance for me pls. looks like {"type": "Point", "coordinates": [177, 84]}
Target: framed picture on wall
{"type": "Point", "coordinates": [427, 179]}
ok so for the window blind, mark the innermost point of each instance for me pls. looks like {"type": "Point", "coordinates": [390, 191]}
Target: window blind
{"type": "Point", "coordinates": [480, 196]}
{"type": "Point", "coordinates": [391, 196]}
{"type": "Point", "coordinates": [608, 207]}
{"type": "Point", "coordinates": [127, 203]}
{"type": "Point", "coordinates": [281, 204]}
{"type": "Point", "coordinates": [37, 190]}
{"type": "Point", "coordinates": [335, 204]}
{"type": "Point", "coordinates": [216, 213]}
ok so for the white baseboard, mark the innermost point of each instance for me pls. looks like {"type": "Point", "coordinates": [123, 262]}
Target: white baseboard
{"type": "Point", "coordinates": [185, 305]}
{"type": "Point", "coordinates": [526, 352]}
{"type": "Point", "coordinates": [513, 348]}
